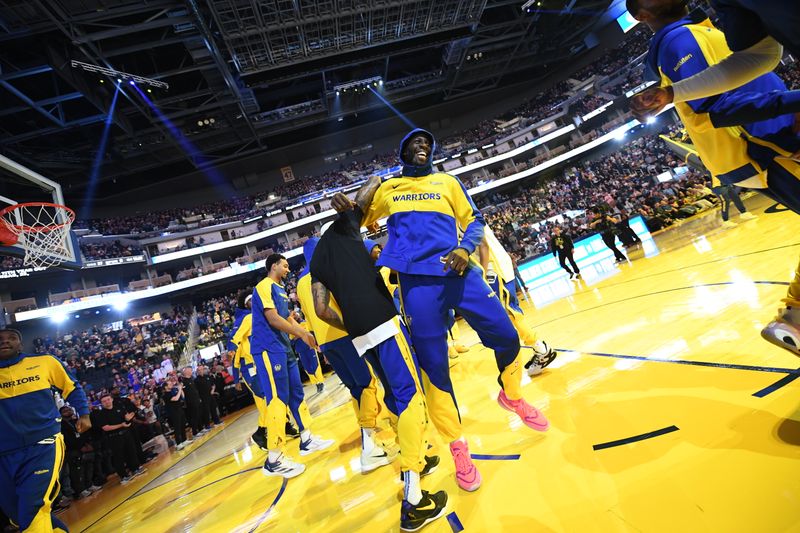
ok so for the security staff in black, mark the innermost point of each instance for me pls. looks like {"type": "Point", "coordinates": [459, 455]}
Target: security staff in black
{"type": "Point", "coordinates": [607, 226]}
{"type": "Point", "coordinates": [192, 399]}
{"type": "Point", "coordinates": [208, 405]}
{"type": "Point", "coordinates": [562, 244]}
{"type": "Point", "coordinates": [115, 423]}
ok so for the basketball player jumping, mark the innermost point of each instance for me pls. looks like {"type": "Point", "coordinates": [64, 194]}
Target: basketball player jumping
{"type": "Point", "coordinates": [426, 213]}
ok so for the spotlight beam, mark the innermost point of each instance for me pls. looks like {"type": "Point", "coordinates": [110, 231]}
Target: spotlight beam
{"type": "Point", "coordinates": [194, 153]}
{"type": "Point", "coordinates": [86, 211]}
{"type": "Point", "coordinates": [394, 109]}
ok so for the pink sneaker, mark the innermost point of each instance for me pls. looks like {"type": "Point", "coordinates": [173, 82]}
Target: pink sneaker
{"type": "Point", "coordinates": [530, 416]}
{"type": "Point", "coordinates": [467, 475]}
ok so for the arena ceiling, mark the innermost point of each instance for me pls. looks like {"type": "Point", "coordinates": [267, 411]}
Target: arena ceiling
{"type": "Point", "coordinates": [247, 75]}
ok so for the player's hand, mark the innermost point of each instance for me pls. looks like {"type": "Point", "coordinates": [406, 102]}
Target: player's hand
{"type": "Point", "coordinates": [375, 227]}
{"type": "Point", "coordinates": [457, 261]}
{"type": "Point", "coordinates": [341, 203]}
{"type": "Point", "coordinates": [309, 339]}
{"type": "Point", "coordinates": [650, 101]}
{"type": "Point", "coordinates": [84, 424]}
{"type": "Point", "coordinates": [238, 387]}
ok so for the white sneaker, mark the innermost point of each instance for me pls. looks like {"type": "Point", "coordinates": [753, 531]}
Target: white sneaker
{"type": "Point", "coordinates": [543, 355]}
{"type": "Point", "coordinates": [314, 444]}
{"type": "Point", "coordinates": [283, 467]}
{"type": "Point", "coordinates": [747, 216]}
{"type": "Point", "coordinates": [180, 446]}
{"type": "Point", "coordinates": [375, 458]}
{"type": "Point", "coordinates": [729, 224]}
{"type": "Point", "coordinates": [125, 480]}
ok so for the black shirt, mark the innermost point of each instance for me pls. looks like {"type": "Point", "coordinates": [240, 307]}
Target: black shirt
{"type": "Point", "coordinates": [561, 243]}
{"type": "Point", "coordinates": [190, 393]}
{"type": "Point", "coordinates": [110, 417]}
{"type": "Point", "coordinates": [343, 265]}
{"type": "Point", "coordinates": [204, 384]}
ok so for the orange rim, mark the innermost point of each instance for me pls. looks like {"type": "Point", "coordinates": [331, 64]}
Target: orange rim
{"type": "Point", "coordinates": [44, 228]}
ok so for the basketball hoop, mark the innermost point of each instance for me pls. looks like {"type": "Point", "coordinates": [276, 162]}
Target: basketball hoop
{"type": "Point", "coordinates": [40, 228]}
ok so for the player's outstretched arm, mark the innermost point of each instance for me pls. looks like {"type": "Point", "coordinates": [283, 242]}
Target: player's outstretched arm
{"type": "Point", "coordinates": [322, 300]}
{"type": "Point", "coordinates": [366, 193]}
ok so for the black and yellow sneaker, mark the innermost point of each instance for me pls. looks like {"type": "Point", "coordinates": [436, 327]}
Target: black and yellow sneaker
{"type": "Point", "coordinates": [431, 464]}
{"type": "Point", "coordinates": [429, 508]}
{"type": "Point", "coordinates": [260, 438]}
{"type": "Point", "coordinates": [291, 431]}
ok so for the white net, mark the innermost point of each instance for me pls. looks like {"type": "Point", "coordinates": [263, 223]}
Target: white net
{"type": "Point", "coordinates": [42, 230]}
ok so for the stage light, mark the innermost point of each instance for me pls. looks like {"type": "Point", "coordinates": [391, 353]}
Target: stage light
{"type": "Point", "coordinates": [380, 82]}
{"type": "Point", "coordinates": [120, 305]}
{"type": "Point", "coordinates": [619, 135]}
{"type": "Point", "coordinates": [375, 84]}
{"type": "Point", "coordinates": [337, 93]}
{"type": "Point", "coordinates": [97, 312]}
{"type": "Point", "coordinates": [211, 120]}
{"type": "Point", "coordinates": [102, 81]}
{"type": "Point", "coordinates": [150, 90]}
{"type": "Point", "coordinates": [206, 122]}
{"type": "Point", "coordinates": [119, 80]}
{"type": "Point", "coordinates": [199, 122]}
{"type": "Point", "coordinates": [132, 82]}
{"type": "Point", "coordinates": [651, 120]}
{"type": "Point", "coordinates": [58, 318]}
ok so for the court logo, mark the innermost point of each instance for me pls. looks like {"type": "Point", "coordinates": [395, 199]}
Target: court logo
{"type": "Point", "coordinates": [776, 208]}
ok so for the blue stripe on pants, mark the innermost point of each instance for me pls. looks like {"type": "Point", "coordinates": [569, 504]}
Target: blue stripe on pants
{"type": "Point", "coordinates": [25, 477]}
{"type": "Point", "coordinates": [388, 364]}
{"type": "Point", "coordinates": [351, 369]}
{"type": "Point", "coordinates": [251, 381]}
{"type": "Point", "coordinates": [288, 386]}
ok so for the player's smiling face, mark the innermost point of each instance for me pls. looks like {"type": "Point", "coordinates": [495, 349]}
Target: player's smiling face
{"type": "Point", "coordinates": [10, 344]}
{"type": "Point", "coordinates": [418, 150]}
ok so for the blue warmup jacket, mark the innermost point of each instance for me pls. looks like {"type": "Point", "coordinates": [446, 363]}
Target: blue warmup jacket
{"type": "Point", "coordinates": [429, 214]}
{"type": "Point", "coordinates": [28, 411]}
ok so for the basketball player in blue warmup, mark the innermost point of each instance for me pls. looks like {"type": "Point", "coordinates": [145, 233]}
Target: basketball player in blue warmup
{"type": "Point", "coordinates": [758, 154]}
{"type": "Point", "coordinates": [426, 213]}
{"type": "Point", "coordinates": [31, 444]}
{"type": "Point", "coordinates": [244, 368]}
{"type": "Point", "coordinates": [277, 371]}
{"type": "Point", "coordinates": [342, 268]}
{"type": "Point", "coordinates": [754, 31]}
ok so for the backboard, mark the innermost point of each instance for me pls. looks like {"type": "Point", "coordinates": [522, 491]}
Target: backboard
{"type": "Point", "coordinates": [20, 184]}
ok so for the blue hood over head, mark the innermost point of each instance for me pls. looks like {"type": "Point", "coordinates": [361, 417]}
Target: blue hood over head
{"type": "Point", "coordinates": [414, 170]}
{"type": "Point", "coordinates": [308, 253]}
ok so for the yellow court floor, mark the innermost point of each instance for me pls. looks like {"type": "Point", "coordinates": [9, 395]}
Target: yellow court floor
{"type": "Point", "coordinates": [668, 413]}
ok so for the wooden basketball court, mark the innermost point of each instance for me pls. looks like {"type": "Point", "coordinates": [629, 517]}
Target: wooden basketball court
{"type": "Point", "coordinates": [668, 412]}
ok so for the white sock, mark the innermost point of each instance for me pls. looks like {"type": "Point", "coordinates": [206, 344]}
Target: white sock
{"type": "Point", "coordinates": [305, 435]}
{"type": "Point", "coordinates": [273, 456]}
{"type": "Point", "coordinates": [367, 440]}
{"type": "Point", "coordinates": [412, 492]}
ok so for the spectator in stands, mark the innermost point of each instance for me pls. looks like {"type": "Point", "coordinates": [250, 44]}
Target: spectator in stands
{"type": "Point", "coordinates": [116, 423]}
